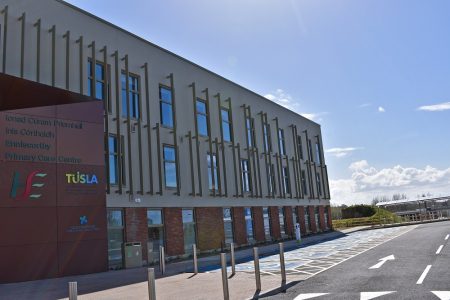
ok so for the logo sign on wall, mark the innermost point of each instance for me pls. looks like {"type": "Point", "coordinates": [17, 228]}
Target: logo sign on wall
{"type": "Point", "coordinates": [33, 181]}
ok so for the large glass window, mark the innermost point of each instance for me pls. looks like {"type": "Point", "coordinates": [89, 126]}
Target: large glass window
{"type": "Point", "coordinates": [249, 223]}
{"type": "Point", "coordinates": [133, 83]}
{"type": "Point", "coordinates": [212, 171]}
{"type": "Point", "coordinates": [170, 167]}
{"type": "Point", "coordinates": [228, 225]}
{"type": "Point", "coordinates": [166, 106]}
{"type": "Point", "coordinates": [245, 175]}
{"type": "Point", "coordinates": [155, 234]}
{"type": "Point", "coordinates": [266, 218]}
{"type": "Point", "coordinates": [295, 218]}
{"type": "Point", "coordinates": [281, 141]}
{"type": "Point", "coordinates": [300, 147]}
{"type": "Point", "coordinates": [319, 185]}
{"type": "Point", "coordinates": [318, 154]}
{"type": "Point", "coordinates": [267, 138]}
{"type": "Point", "coordinates": [310, 151]}
{"type": "Point", "coordinates": [304, 186]}
{"type": "Point", "coordinates": [100, 76]}
{"type": "Point", "coordinates": [113, 159]}
{"type": "Point", "coordinates": [249, 129]}
{"type": "Point", "coordinates": [325, 217]}
{"type": "Point", "coordinates": [287, 182]}
{"type": "Point", "coordinates": [115, 238]}
{"type": "Point", "coordinates": [307, 220]}
{"type": "Point", "coordinates": [226, 125]}
{"type": "Point", "coordinates": [202, 117]}
{"type": "Point", "coordinates": [282, 220]}
{"type": "Point", "coordinates": [188, 229]}
{"type": "Point", "coordinates": [316, 217]}
{"type": "Point", "coordinates": [271, 174]}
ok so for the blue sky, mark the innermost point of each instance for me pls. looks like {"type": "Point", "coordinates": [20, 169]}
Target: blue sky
{"type": "Point", "coordinates": [362, 69]}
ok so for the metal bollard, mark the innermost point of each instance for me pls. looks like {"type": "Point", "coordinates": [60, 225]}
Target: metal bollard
{"type": "Point", "coordinates": [282, 265]}
{"type": "Point", "coordinates": [162, 260]}
{"type": "Point", "coordinates": [223, 262]}
{"type": "Point", "coordinates": [257, 272]}
{"type": "Point", "coordinates": [194, 253]}
{"type": "Point", "coordinates": [233, 261]}
{"type": "Point", "coordinates": [151, 284]}
{"type": "Point", "coordinates": [73, 291]}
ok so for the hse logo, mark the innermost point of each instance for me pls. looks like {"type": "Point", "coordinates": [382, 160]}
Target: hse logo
{"type": "Point", "coordinates": [29, 183]}
{"type": "Point", "coordinates": [83, 220]}
{"type": "Point", "coordinates": [79, 178]}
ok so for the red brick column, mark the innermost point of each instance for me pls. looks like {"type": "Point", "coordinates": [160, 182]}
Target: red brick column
{"type": "Point", "coordinates": [274, 222]}
{"type": "Point", "coordinates": [312, 219]}
{"type": "Point", "coordinates": [301, 216]}
{"type": "Point", "coordinates": [173, 227]}
{"type": "Point", "coordinates": [322, 218]}
{"type": "Point", "coordinates": [136, 228]}
{"type": "Point", "coordinates": [330, 222]}
{"type": "Point", "coordinates": [210, 230]}
{"type": "Point", "coordinates": [258, 223]}
{"type": "Point", "coordinates": [240, 233]}
{"type": "Point", "coordinates": [289, 221]}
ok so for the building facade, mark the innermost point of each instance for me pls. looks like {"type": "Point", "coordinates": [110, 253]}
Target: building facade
{"type": "Point", "coordinates": [190, 157]}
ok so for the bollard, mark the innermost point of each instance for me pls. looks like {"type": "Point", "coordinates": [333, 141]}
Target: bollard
{"type": "Point", "coordinates": [233, 261]}
{"type": "Point", "coordinates": [151, 284]}
{"type": "Point", "coordinates": [282, 265]}
{"type": "Point", "coordinates": [162, 260]}
{"type": "Point", "coordinates": [73, 291]}
{"type": "Point", "coordinates": [194, 253]}
{"type": "Point", "coordinates": [223, 262]}
{"type": "Point", "coordinates": [257, 272]}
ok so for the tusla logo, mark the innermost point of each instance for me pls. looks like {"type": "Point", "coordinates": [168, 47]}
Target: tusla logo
{"type": "Point", "coordinates": [80, 178]}
{"type": "Point", "coordinates": [83, 220]}
{"type": "Point", "coordinates": [29, 183]}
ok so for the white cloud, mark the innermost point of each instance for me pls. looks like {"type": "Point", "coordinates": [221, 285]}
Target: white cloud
{"type": "Point", "coordinates": [342, 152]}
{"type": "Point", "coordinates": [381, 109]}
{"type": "Point", "coordinates": [365, 105]}
{"type": "Point", "coordinates": [436, 107]}
{"type": "Point", "coordinates": [366, 182]}
{"type": "Point", "coordinates": [284, 99]}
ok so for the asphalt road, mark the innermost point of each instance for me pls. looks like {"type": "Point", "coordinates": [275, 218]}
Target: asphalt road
{"type": "Point", "coordinates": [405, 277]}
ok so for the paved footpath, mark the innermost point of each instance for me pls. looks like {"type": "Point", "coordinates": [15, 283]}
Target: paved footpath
{"type": "Point", "coordinates": [313, 256]}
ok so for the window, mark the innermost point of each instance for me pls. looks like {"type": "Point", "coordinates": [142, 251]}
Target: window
{"type": "Point", "coordinates": [318, 154]}
{"type": "Point", "coordinates": [295, 218]}
{"type": "Point", "coordinates": [155, 234]}
{"type": "Point", "coordinates": [287, 182]}
{"type": "Point", "coordinates": [316, 217]}
{"type": "Point", "coordinates": [281, 141]}
{"type": "Point", "coordinates": [300, 147]}
{"type": "Point", "coordinates": [282, 221]}
{"type": "Point", "coordinates": [202, 117]}
{"type": "Point", "coordinates": [267, 138]}
{"type": "Point", "coordinates": [319, 187]}
{"type": "Point", "coordinates": [226, 125]}
{"type": "Point", "coordinates": [325, 217]}
{"type": "Point", "coordinates": [249, 223]}
{"type": "Point", "coordinates": [307, 220]}
{"type": "Point", "coordinates": [170, 167]}
{"type": "Point", "coordinates": [114, 160]}
{"type": "Point", "coordinates": [100, 77]}
{"type": "Point", "coordinates": [272, 187]}
{"type": "Point", "coordinates": [266, 218]}
{"type": "Point", "coordinates": [310, 151]}
{"type": "Point", "coordinates": [245, 175]}
{"type": "Point", "coordinates": [228, 225]}
{"type": "Point", "coordinates": [133, 83]}
{"type": "Point", "coordinates": [249, 128]}
{"type": "Point", "coordinates": [212, 171]}
{"type": "Point", "coordinates": [304, 186]}
{"type": "Point", "coordinates": [115, 238]}
{"type": "Point", "coordinates": [166, 106]}
{"type": "Point", "coordinates": [188, 229]}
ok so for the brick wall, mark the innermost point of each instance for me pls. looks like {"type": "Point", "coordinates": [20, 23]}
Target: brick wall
{"type": "Point", "coordinates": [240, 234]}
{"type": "Point", "coordinates": [330, 223]}
{"type": "Point", "coordinates": [274, 223]}
{"type": "Point", "coordinates": [258, 223]}
{"type": "Point", "coordinates": [210, 230]}
{"type": "Point", "coordinates": [301, 215]}
{"type": "Point", "coordinates": [322, 218]}
{"type": "Point", "coordinates": [289, 221]}
{"type": "Point", "coordinates": [136, 229]}
{"type": "Point", "coordinates": [312, 219]}
{"type": "Point", "coordinates": [173, 226]}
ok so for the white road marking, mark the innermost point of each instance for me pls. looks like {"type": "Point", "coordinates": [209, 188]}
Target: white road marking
{"type": "Point", "coordinates": [443, 295]}
{"type": "Point", "coordinates": [446, 238]}
{"type": "Point", "coordinates": [372, 295]}
{"type": "Point", "coordinates": [439, 249]}
{"type": "Point", "coordinates": [382, 261]}
{"type": "Point", "coordinates": [424, 274]}
{"type": "Point", "coordinates": [309, 296]}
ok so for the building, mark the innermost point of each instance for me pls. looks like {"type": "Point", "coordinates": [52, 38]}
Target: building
{"type": "Point", "coordinates": [190, 157]}
{"type": "Point", "coordinates": [419, 209]}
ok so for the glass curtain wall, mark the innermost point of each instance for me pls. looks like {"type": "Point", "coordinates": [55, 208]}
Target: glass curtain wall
{"type": "Point", "coordinates": [155, 224]}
